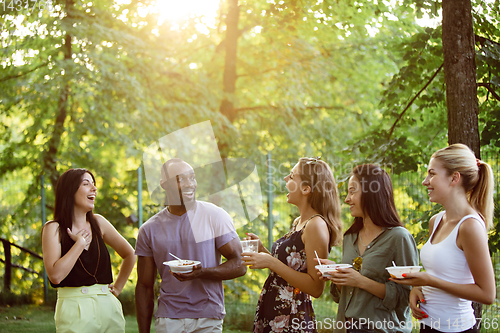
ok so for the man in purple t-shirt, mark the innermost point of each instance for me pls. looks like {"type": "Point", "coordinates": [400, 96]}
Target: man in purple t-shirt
{"type": "Point", "coordinates": [189, 229]}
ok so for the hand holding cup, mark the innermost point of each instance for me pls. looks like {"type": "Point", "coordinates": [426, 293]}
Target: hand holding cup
{"type": "Point", "coordinates": [255, 239]}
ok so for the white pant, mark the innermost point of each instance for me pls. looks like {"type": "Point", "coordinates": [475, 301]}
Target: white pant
{"type": "Point", "coordinates": [188, 325]}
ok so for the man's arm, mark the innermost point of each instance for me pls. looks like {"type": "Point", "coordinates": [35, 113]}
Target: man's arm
{"type": "Point", "coordinates": [144, 292]}
{"type": "Point", "coordinates": [232, 268]}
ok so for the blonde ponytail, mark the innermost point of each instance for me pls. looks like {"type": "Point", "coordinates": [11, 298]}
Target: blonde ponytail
{"type": "Point", "coordinates": [477, 178]}
{"type": "Point", "coordinates": [481, 196]}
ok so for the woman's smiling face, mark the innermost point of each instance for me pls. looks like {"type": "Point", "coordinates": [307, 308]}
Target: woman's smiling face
{"type": "Point", "coordinates": [353, 198]}
{"type": "Point", "coordinates": [86, 194]}
{"type": "Point", "coordinates": [437, 181]}
{"type": "Point", "coordinates": [294, 185]}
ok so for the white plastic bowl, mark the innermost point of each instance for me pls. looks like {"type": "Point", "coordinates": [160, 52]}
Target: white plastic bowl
{"type": "Point", "coordinates": [325, 269]}
{"type": "Point", "coordinates": [184, 266]}
{"type": "Point", "coordinates": [398, 271]}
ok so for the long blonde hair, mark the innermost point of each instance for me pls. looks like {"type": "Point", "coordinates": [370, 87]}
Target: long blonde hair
{"type": "Point", "coordinates": [324, 197]}
{"type": "Point", "coordinates": [477, 177]}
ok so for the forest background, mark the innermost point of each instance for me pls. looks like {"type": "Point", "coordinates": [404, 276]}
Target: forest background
{"type": "Point", "coordinates": [92, 84]}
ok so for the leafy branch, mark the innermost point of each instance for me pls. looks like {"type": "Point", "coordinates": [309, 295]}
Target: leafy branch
{"type": "Point", "coordinates": [483, 40]}
{"type": "Point", "coordinates": [259, 107]}
{"type": "Point", "coordinates": [490, 89]}
{"type": "Point", "coordinates": [413, 100]}
{"type": "Point", "coordinates": [9, 77]}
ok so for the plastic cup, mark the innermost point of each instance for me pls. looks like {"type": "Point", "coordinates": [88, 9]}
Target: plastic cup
{"type": "Point", "coordinates": [250, 245]}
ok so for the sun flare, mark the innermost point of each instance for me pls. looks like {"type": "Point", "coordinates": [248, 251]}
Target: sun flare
{"type": "Point", "coordinates": [181, 10]}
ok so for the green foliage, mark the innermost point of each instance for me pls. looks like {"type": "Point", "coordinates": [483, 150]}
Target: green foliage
{"type": "Point", "coordinates": [491, 131]}
{"type": "Point", "coordinates": [494, 234]}
{"type": "Point", "coordinates": [353, 82]}
{"type": "Point", "coordinates": [127, 86]}
{"type": "Point", "coordinates": [413, 100]}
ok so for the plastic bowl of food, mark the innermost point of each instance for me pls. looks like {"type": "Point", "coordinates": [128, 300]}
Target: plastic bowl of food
{"type": "Point", "coordinates": [398, 271]}
{"type": "Point", "coordinates": [181, 266]}
{"type": "Point", "coordinates": [325, 269]}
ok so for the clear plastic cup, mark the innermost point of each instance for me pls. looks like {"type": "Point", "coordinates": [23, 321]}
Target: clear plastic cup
{"type": "Point", "coordinates": [250, 245]}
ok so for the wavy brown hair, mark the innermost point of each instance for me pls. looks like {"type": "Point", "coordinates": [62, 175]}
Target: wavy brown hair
{"type": "Point", "coordinates": [324, 196]}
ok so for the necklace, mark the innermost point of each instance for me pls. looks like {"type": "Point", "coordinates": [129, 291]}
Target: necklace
{"type": "Point", "coordinates": [97, 266]}
{"type": "Point", "coordinates": [361, 241]}
{"type": "Point", "coordinates": [295, 225]}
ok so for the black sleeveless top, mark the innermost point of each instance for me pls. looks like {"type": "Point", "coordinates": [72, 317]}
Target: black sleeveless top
{"type": "Point", "coordinates": [79, 275]}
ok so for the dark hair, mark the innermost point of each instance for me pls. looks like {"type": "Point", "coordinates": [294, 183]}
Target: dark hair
{"type": "Point", "coordinates": [64, 211]}
{"type": "Point", "coordinates": [324, 197]}
{"type": "Point", "coordinates": [377, 198]}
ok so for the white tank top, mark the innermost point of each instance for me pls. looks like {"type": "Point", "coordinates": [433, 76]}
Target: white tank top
{"type": "Point", "coordinates": [445, 260]}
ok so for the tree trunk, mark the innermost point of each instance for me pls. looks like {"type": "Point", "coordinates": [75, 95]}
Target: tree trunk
{"type": "Point", "coordinates": [460, 74]}
{"type": "Point", "coordinates": [8, 266]}
{"type": "Point", "coordinates": [460, 77]}
{"type": "Point", "coordinates": [49, 163]}
{"type": "Point", "coordinates": [231, 46]}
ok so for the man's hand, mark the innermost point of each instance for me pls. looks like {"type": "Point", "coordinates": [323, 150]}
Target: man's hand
{"type": "Point", "coordinates": [195, 274]}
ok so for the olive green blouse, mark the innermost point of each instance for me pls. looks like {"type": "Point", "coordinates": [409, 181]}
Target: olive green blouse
{"type": "Point", "coordinates": [391, 314]}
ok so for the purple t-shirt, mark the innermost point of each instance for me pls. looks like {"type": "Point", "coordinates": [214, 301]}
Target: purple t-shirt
{"type": "Point", "coordinates": [196, 235]}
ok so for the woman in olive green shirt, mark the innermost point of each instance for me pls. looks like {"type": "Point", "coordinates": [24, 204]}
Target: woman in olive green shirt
{"type": "Point", "coordinates": [368, 300]}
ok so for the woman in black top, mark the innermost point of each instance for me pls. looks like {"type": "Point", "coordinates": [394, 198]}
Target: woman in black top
{"type": "Point", "coordinates": [77, 261]}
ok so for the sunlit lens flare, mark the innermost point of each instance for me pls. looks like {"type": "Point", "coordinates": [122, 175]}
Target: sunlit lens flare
{"type": "Point", "coordinates": [181, 10]}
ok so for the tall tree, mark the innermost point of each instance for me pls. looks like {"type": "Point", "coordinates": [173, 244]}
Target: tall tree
{"type": "Point", "coordinates": [231, 48]}
{"type": "Point", "coordinates": [52, 151]}
{"type": "Point", "coordinates": [460, 74]}
{"type": "Point", "coordinates": [74, 85]}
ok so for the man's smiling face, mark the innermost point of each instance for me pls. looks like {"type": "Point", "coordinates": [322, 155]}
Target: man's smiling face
{"type": "Point", "coordinates": [181, 183]}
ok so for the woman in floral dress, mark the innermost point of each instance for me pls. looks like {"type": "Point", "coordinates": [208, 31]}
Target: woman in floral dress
{"type": "Point", "coordinates": [285, 301]}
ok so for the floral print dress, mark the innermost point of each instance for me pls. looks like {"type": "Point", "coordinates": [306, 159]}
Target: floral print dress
{"type": "Point", "coordinates": [281, 307]}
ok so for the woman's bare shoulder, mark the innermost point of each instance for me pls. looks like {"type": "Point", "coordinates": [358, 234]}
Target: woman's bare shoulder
{"type": "Point", "coordinates": [51, 227]}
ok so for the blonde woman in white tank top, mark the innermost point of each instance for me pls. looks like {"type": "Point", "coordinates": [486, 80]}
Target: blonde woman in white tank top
{"type": "Point", "coordinates": [456, 259]}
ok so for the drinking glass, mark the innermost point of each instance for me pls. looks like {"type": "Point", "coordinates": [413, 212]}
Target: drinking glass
{"type": "Point", "coordinates": [250, 245]}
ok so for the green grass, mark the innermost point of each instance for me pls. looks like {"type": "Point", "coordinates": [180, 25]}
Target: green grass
{"type": "Point", "coordinates": [40, 319]}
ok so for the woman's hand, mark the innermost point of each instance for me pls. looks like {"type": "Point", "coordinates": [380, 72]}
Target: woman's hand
{"type": "Point", "coordinates": [121, 246]}
{"type": "Point", "coordinates": [323, 262]}
{"type": "Point", "coordinates": [414, 279]}
{"type": "Point", "coordinates": [114, 290]}
{"type": "Point", "coordinates": [261, 247]}
{"type": "Point", "coordinates": [83, 236]}
{"type": "Point", "coordinates": [417, 297]}
{"type": "Point", "coordinates": [346, 277]}
{"type": "Point", "coordinates": [258, 260]}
